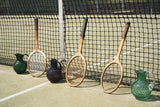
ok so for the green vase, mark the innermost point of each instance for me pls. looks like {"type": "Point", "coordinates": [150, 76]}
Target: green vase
{"type": "Point", "coordinates": [141, 88]}
{"type": "Point", "coordinates": [20, 65]}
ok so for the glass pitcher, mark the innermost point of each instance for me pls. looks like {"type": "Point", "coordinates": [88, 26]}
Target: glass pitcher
{"type": "Point", "coordinates": [141, 88]}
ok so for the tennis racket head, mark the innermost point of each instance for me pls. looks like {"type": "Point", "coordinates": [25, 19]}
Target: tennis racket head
{"type": "Point", "coordinates": [37, 63]}
{"type": "Point", "coordinates": [111, 77]}
{"type": "Point", "coordinates": [76, 70]}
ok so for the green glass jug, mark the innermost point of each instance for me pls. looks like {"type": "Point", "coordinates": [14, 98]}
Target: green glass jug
{"type": "Point", "coordinates": [141, 88]}
{"type": "Point", "coordinates": [20, 65]}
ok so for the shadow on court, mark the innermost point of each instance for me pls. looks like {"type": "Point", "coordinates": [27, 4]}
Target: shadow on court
{"type": "Point", "coordinates": [152, 98]}
{"type": "Point", "coordinates": [89, 83]}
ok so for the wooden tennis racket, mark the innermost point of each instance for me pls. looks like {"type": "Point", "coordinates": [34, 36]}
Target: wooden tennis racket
{"type": "Point", "coordinates": [37, 60]}
{"type": "Point", "coordinates": [77, 65]}
{"type": "Point", "coordinates": [113, 73]}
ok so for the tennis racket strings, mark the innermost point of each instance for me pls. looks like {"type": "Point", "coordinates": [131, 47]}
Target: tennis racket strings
{"type": "Point", "coordinates": [111, 77]}
{"type": "Point", "coordinates": [37, 63]}
{"type": "Point", "coordinates": [76, 70]}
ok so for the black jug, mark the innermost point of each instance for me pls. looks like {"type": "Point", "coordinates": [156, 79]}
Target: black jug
{"type": "Point", "coordinates": [54, 73]}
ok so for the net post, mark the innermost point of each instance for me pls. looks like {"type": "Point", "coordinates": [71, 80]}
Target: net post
{"type": "Point", "coordinates": [61, 29]}
{"type": "Point", "coordinates": [123, 2]}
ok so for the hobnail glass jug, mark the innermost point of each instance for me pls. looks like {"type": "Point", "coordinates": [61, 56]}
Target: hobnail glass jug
{"type": "Point", "coordinates": [141, 88]}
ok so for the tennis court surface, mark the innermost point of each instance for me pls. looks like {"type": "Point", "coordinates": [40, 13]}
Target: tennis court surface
{"type": "Point", "coordinates": [25, 91]}
{"type": "Point", "coordinates": [58, 32]}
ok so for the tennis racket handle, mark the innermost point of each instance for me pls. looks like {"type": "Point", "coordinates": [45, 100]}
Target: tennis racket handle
{"type": "Point", "coordinates": [36, 33]}
{"type": "Point", "coordinates": [126, 30]}
{"type": "Point", "coordinates": [36, 23]}
{"type": "Point", "coordinates": [84, 27]}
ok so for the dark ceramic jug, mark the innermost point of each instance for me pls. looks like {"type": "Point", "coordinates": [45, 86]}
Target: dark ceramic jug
{"type": "Point", "coordinates": [54, 73]}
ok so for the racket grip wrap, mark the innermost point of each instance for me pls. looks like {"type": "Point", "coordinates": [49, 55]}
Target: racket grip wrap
{"type": "Point", "coordinates": [126, 30]}
{"type": "Point", "coordinates": [84, 27]}
{"type": "Point", "coordinates": [36, 23]}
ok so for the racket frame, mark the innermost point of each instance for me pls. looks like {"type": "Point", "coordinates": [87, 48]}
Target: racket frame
{"type": "Point", "coordinates": [79, 54]}
{"type": "Point", "coordinates": [84, 73]}
{"type": "Point", "coordinates": [120, 80]}
{"type": "Point", "coordinates": [116, 61]}
{"type": "Point", "coordinates": [36, 50]}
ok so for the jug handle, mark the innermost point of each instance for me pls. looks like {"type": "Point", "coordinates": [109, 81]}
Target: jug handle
{"type": "Point", "coordinates": [26, 54]}
{"type": "Point", "coordinates": [60, 65]}
{"type": "Point", "coordinates": [152, 84]}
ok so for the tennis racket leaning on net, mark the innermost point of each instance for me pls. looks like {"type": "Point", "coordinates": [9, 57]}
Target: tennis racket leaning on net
{"type": "Point", "coordinates": [77, 65]}
{"type": "Point", "coordinates": [37, 61]}
{"type": "Point", "coordinates": [113, 73]}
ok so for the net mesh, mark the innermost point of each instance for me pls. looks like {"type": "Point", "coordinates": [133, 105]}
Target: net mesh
{"type": "Point", "coordinates": [106, 22]}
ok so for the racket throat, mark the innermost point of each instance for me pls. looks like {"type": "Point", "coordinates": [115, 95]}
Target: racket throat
{"type": "Point", "coordinates": [120, 48]}
{"type": "Point", "coordinates": [36, 48]}
{"type": "Point", "coordinates": [80, 46]}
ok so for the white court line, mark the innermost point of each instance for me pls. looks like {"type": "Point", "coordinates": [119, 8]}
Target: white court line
{"type": "Point", "coordinates": [133, 50]}
{"type": "Point", "coordinates": [2, 71]}
{"type": "Point", "coordinates": [22, 92]}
